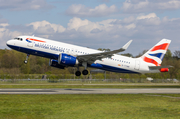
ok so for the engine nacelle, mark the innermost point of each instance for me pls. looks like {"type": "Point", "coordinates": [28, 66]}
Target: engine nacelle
{"type": "Point", "coordinates": [164, 70]}
{"type": "Point", "coordinates": [67, 60]}
{"type": "Point", "coordinates": [54, 63]}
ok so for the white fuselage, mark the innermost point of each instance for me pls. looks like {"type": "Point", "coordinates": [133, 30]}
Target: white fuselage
{"type": "Point", "coordinates": [51, 49]}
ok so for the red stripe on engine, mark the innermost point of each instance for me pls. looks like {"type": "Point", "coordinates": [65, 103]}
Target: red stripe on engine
{"type": "Point", "coordinates": [161, 47]}
{"type": "Point", "coordinates": [149, 60]}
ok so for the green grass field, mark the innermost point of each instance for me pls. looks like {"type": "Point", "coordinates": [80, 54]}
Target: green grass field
{"type": "Point", "coordinates": [120, 106]}
{"type": "Point", "coordinates": [98, 106]}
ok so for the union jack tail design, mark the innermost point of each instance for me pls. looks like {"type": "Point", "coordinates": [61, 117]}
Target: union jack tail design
{"type": "Point", "coordinates": [156, 54]}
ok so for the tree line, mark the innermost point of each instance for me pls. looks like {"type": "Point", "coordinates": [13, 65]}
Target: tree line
{"type": "Point", "coordinates": [12, 62]}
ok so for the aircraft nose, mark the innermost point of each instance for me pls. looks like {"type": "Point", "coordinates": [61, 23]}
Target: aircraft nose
{"type": "Point", "coordinates": [9, 42]}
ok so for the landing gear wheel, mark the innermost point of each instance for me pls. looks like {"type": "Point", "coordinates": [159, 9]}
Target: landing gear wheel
{"type": "Point", "coordinates": [25, 61]}
{"type": "Point", "coordinates": [78, 73]}
{"type": "Point", "coordinates": [85, 72]}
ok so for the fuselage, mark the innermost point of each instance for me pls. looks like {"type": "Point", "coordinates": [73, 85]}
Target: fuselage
{"type": "Point", "coordinates": [51, 49]}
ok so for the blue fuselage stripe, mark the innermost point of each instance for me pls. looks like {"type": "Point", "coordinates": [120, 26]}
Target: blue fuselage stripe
{"type": "Point", "coordinates": [34, 52]}
{"type": "Point", "coordinates": [113, 69]}
{"type": "Point", "coordinates": [55, 56]}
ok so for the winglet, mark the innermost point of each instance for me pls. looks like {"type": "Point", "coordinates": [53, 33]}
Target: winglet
{"type": "Point", "coordinates": [126, 45]}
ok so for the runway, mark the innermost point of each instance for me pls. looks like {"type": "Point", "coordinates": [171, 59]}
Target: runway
{"type": "Point", "coordinates": [91, 91]}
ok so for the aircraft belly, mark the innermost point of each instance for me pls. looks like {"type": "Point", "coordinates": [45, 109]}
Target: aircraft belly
{"type": "Point", "coordinates": [114, 67]}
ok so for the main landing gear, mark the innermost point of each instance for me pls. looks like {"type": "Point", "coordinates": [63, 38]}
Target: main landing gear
{"type": "Point", "coordinates": [84, 72]}
{"type": "Point", "coordinates": [78, 73]}
{"type": "Point", "coordinates": [26, 61]}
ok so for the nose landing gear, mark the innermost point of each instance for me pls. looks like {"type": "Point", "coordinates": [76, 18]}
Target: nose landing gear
{"type": "Point", "coordinates": [26, 61]}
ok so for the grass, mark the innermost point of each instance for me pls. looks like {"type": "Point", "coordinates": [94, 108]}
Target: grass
{"type": "Point", "coordinates": [125, 106]}
{"type": "Point", "coordinates": [82, 85]}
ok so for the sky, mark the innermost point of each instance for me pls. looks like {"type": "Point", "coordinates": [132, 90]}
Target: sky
{"type": "Point", "coordinates": [93, 23]}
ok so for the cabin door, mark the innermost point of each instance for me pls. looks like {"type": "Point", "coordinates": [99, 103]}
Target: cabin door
{"type": "Point", "coordinates": [137, 65]}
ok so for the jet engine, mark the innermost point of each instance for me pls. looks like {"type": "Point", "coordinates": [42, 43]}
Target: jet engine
{"type": "Point", "coordinates": [67, 60]}
{"type": "Point", "coordinates": [54, 63]}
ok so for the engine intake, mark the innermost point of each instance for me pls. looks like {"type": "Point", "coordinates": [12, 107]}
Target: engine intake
{"type": "Point", "coordinates": [67, 60]}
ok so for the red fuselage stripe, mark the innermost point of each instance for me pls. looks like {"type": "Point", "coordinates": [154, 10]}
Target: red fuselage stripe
{"type": "Point", "coordinates": [36, 40]}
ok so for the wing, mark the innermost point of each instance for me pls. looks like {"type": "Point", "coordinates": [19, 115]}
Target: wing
{"type": "Point", "coordinates": [90, 58]}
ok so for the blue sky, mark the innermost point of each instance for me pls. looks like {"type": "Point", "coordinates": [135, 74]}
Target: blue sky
{"type": "Point", "coordinates": [94, 23]}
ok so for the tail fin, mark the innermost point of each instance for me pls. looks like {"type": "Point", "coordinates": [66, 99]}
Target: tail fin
{"type": "Point", "coordinates": [156, 54]}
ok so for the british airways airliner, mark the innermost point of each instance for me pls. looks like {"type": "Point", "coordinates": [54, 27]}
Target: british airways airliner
{"type": "Point", "coordinates": [63, 55]}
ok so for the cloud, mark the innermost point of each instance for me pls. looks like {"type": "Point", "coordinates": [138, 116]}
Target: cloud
{"type": "Point", "coordinates": [6, 34]}
{"type": "Point", "coordinates": [96, 30]}
{"type": "Point", "coordinates": [44, 27]}
{"type": "Point", "coordinates": [151, 15]}
{"type": "Point", "coordinates": [19, 5]}
{"type": "Point", "coordinates": [145, 29]}
{"type": "Point", "coordinates": [83, 11]}
{"type": "Point", "coordinates": [150, 19]}
{"type": "Point", "coordinates": [139, 6]}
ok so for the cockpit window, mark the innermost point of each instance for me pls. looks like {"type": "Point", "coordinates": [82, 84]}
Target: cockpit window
{"type": "Point", "coordinates": [18, 39]}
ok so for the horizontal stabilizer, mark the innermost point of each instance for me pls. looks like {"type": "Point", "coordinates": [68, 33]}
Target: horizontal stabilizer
{"type": "Point", "coordinates": [159, 67]}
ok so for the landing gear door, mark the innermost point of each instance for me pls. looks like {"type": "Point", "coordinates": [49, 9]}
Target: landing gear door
{"type": "Point", "coordinates": [30, 44]}
{"type": "Point", "coordinates": [137, 65]}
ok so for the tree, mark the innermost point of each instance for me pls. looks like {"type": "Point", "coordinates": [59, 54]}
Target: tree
{"type": "Point", "coordinates": [168, 55]}
{"type": "Point", "coordinates": [177, 54]}
{"type": "Point", "coordinates": [127, 54]}
{"type": "Point", "coordinates": [142, 53]}
{"type": "Point", "coordinates": [103, 49]}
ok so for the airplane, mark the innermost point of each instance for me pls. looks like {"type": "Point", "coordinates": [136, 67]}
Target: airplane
{"type": "Point", "coordinates": [63, 55]}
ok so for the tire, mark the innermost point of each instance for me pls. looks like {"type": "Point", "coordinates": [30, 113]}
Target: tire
{"type": "Point", "coordinates": [85, 72]}
{"type": "Point", "coordinates": [78, 73]}
{"type": "Point", "coordinates": [25, 61]}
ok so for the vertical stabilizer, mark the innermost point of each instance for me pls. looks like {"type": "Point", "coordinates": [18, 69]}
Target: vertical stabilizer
{"type": "Point", "coordinates": [156, 54]}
